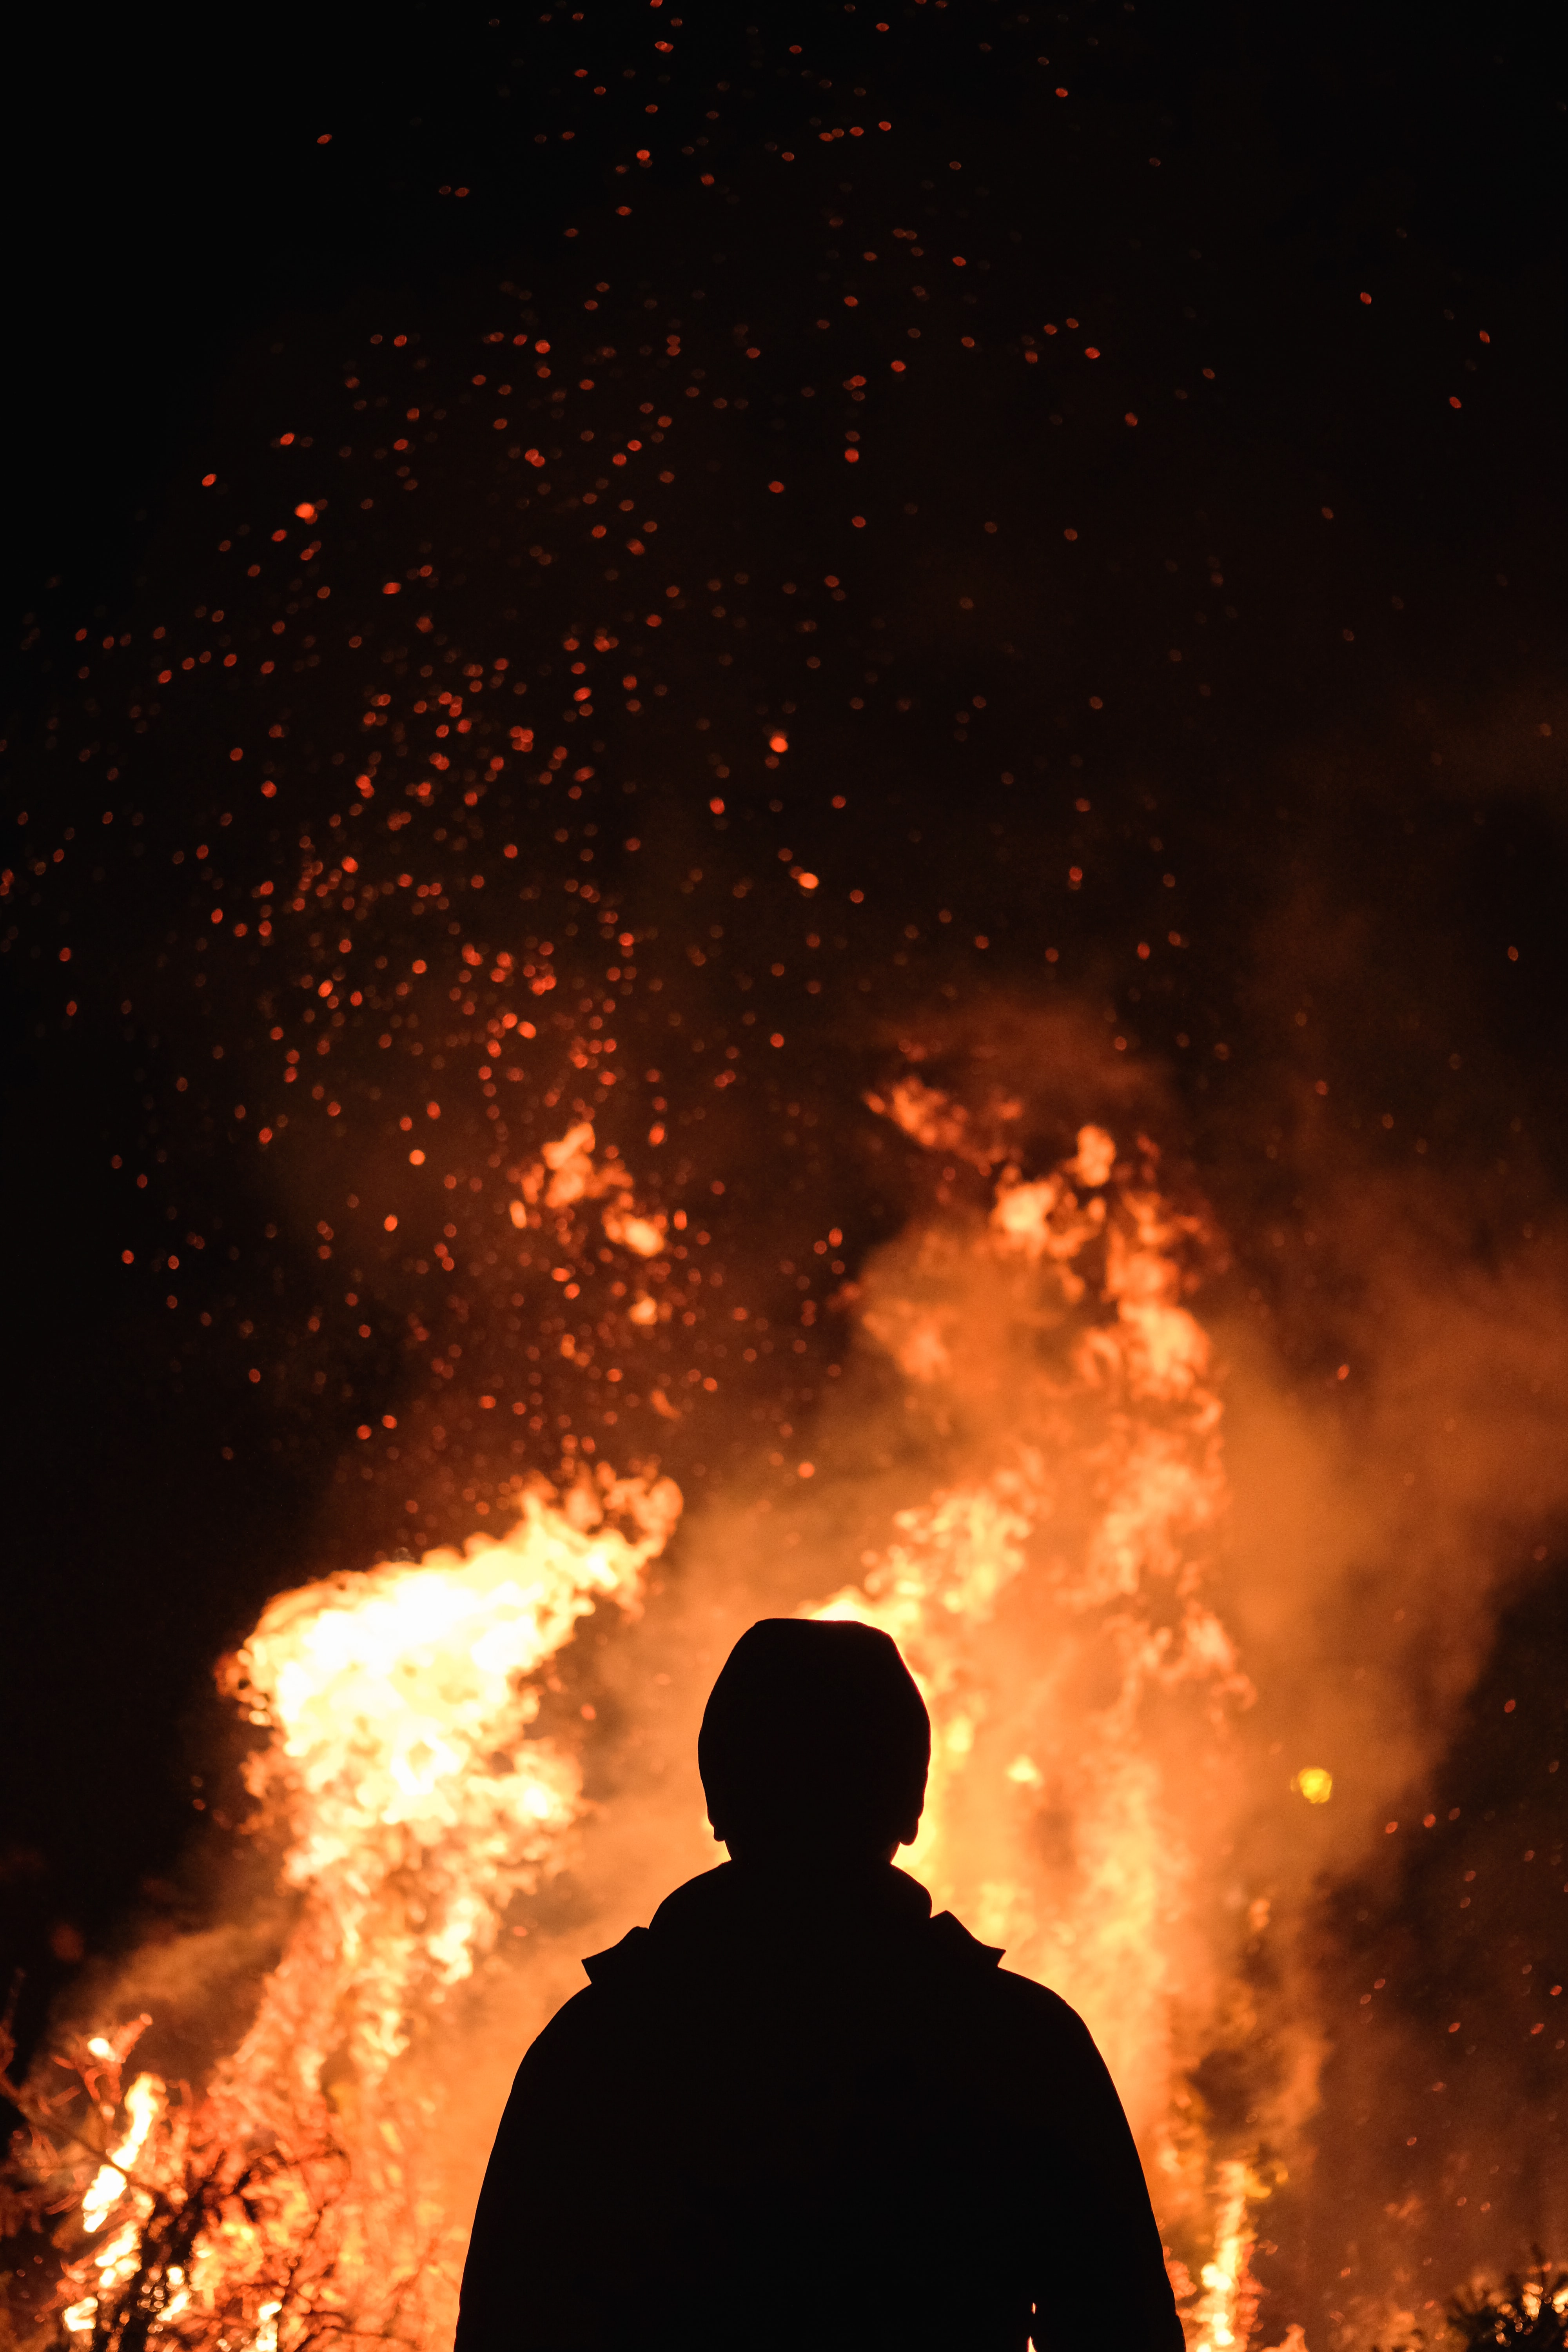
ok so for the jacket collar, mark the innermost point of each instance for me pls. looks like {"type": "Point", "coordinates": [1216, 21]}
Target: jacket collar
{"type": "Point", "coordinates": [748, 1914]}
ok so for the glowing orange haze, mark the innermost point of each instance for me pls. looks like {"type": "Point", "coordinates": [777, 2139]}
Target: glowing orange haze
{"type": "Point", "coordinates": [1054, 1588]}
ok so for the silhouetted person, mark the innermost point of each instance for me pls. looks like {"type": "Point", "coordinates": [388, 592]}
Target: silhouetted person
{"type": "Point", "coordinates": [799, 2112]}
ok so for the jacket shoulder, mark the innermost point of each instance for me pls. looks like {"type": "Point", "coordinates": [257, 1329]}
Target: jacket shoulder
{"type": "Point", "coordinates": [564, 2041]}
{"type": "Point", "coordinates": [950, 1937]}
{"type": "Point", "coordinates": [1024, 1999]}
{"type": "Point", "coordinates": [611, 1966]}
{"type": "Point", "coordinates": [1038, 2005]}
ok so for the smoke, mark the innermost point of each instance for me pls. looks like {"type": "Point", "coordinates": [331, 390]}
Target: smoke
{"type": "Point", "coordinates": [1197, 1615]}
{"type": "Point", "coordinates": [1340, 1543]}
{"type": "Point", "coordinates": [1381, 1522]}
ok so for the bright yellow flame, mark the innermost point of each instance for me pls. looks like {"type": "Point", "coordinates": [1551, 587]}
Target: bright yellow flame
{"type": "Point", "coordinates": [115, 2262]}
{"type": "Point", "coordinates": [1315, 1783]}
{"type": "Point", "coordinates": [143, 2104]}
{"type": "Point", "coordinates": [414, 1804]}
{"type": "Point", "coordinates": [401, 1711]}
{"type": "Point", "coordinates": [1225, 2309]}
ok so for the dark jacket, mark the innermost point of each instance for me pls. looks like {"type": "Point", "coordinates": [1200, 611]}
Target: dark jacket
{"type": "Point", "coordinates": [789, 2118]}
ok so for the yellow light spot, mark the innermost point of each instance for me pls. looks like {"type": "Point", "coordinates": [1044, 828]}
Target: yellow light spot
{"type": "Point", "coordinates": [1314, 1783]}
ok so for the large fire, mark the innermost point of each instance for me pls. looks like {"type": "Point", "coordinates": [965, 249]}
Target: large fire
{"type": "Point", "coordinates": [1054, 1599]}
{"type": "Point", "coordinates": [529, 958]}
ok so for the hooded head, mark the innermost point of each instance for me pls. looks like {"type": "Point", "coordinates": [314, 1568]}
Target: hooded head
{"type": "Point", "coordinates": [814, 1740]}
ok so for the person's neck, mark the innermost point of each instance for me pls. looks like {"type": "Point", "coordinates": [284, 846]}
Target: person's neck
{"type": "Point", "coordinates": [809, 1868]}
{"type": "Point", "coordinates": [804, 1890]}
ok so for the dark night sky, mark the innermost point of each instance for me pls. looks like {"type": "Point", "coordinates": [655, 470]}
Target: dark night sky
{"type": "Point", "coordinates": [1306, 638]}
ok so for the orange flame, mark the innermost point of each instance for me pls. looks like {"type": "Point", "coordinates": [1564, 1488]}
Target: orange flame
{"type": "Point", "coordinates": [1094, 1492]}
{"type": "Point", "coordinates": [1052, 1596]}
{"type": "Point", "coordinates": [414, 1804]}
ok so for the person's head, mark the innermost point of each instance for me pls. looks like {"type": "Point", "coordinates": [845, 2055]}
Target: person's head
{"type": "Point", "coordinates": [815, 1743]}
